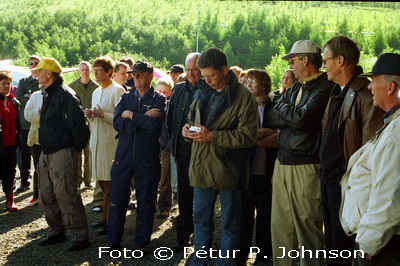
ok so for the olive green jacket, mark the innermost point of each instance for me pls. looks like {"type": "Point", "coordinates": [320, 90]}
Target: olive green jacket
{"type": "Point", "coordinates": [223, 163]}
{"type": "Point", "coordinates": [85, 95]}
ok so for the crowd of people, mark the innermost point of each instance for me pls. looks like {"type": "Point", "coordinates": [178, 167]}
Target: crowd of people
{"type": "Point", "coordinates": [310, 167]}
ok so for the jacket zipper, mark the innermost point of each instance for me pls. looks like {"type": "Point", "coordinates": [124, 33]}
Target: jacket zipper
{"type": "Point", "coordinates": [134, 136]}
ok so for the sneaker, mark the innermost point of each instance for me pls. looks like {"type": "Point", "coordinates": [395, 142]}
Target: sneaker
{"type": "Point", "coordinates": [97, 209]}
{"type": "Point", "coordinates": [163, 214]}
{"type": "Point", "coordinates": [33, 202]}
{"type": "Point", "coordinates": [23, 188]}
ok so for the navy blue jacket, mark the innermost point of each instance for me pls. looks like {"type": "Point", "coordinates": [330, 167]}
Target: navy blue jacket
{"type": "Point", "coordinates": [138, 138]}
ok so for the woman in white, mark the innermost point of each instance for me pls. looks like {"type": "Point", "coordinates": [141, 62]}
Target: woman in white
{"type": "Point", "coordinates": [32, 115]}
{"type": "Point", "coordinates": [102, 140]}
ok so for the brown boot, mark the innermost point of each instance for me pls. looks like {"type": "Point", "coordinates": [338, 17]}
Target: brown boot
{"type": "Point", "coordinates": [10, 205]}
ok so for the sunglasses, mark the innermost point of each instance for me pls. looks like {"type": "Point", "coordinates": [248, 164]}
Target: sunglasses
{"type": "Point", "coordinates": [34, 63]}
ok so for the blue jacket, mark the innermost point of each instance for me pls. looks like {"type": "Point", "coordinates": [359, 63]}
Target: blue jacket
{"type": "Point", "coordinates": [138, 138]}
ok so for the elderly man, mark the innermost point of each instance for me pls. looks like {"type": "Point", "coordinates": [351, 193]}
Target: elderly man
{"type": "Point", "coordinates": [371, 188]}
{"type": "Point", "coordinates": [62, 133]}
{"type": "Point", "coordinates": [296, 197]}
{"type": "Point", "coordinates": [26, 87]}
{"type": "Point", "coordinates": [178, 110]}
{"type": "Point", "coordinates": [350, 104]}
{"type": "Point", "coordinates": [138, 153]}
{"type": "Point", "coordinates": [222, 125]}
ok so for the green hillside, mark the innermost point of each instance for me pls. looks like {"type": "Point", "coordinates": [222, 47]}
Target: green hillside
{"type": "Point", "coordinates": [163, 32]}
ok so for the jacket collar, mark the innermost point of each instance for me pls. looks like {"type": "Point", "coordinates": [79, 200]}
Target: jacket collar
{"type": "Point", "coordinates": [52, 88]}
{"type": "Point", "coordinates": [392, 114]}
{"type": "Point", "coordinates": [146, 95]}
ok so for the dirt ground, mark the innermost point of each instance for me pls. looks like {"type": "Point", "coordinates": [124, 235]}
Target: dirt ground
{"type": "Point", "coordinates": [21, 231]}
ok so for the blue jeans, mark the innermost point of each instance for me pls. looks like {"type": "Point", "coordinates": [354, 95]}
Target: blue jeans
{"type": "Point", "coordinates": [204, 203]}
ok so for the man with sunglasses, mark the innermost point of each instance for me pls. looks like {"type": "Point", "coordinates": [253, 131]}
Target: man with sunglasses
{"type": "Point", "coordinates": [26, 87]}
{"type": "Point", "coordinates": [296, 197]}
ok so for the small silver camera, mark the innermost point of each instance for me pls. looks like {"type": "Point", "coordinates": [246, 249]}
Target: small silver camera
{"type": "Point", "coordinates": [194, 129]}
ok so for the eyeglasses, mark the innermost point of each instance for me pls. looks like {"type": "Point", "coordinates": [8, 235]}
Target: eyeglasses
{"type": "Point", "coordinates": [34, 63]}
{"type": "Point", "coordinates": [291, 61]}
{"type": "Point", "coordinates": [324, 60]}
{"type": "Point", "coordinates": [251, 81]}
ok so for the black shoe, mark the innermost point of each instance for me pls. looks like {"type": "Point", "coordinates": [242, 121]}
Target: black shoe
{"type": "Point", "coordinates": [78, 245]}
{"type": "Point", "coordinates": [53, 239]}
{"type": "Point", "coordinates": [115, 247]}
{"type": "Point", "coordinates": [102, 230]}
{"type": "Point", "coordinates": [144, 248]}
{"type": "Point", "coordinates": [179, 247]}
{"type": "Point", "coordinates": [23, 188]}
{"type": "Point", "coordinates": [98, 224]}
{"type": "Point", "coordinates": [163, 214]}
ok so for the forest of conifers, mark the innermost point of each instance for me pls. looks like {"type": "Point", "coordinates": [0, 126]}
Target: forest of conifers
{"type": "Point", "coordinates": [252, 33]}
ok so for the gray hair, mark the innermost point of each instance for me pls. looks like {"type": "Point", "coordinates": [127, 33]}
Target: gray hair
{"type": "Point", "coordinates": [192, 56]}
{"type": "Point", "coordinates": [393, 78]}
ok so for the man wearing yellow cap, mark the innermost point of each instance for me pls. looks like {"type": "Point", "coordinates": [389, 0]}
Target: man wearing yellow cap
{"type": "Point", "coordinates": [63, 132]}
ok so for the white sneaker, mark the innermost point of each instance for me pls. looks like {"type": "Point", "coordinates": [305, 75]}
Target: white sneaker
{"type": "Point", "coordinates": [33, 202]}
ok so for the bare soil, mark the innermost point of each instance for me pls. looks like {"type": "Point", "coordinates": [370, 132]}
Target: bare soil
{"type": "Point", "coordinates": [21, 231]}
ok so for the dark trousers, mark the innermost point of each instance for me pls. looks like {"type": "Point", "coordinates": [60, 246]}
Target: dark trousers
{"type": "Point", "coordinates": [184, 226]}
{"type": "Point", "coordinates": [335, 237]}
{"type": "Point", "coordinates": [388, 256]}
{"type": "Point", "coordinates": [164, 188]}
{"type": "Point", "coordinates": [256, 199]}
{"type": "Point", "coordinates": [146, 183]}
{"type": "Point", "coordinates": [25, 153]}
{"type": "Point", "coordinates": [36, 150]}
{"type": "Point", "coordinates": [8, 161]}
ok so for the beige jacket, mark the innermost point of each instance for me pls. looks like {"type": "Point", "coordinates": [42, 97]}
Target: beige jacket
{"type": "Point", "coordinates": [370, 204]}
{"type": "Point", "coordinates": [102, 140]}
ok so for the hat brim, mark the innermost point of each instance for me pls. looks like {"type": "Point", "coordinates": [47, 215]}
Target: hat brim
{"type": "Point", "coordinates": [369, 74]}
{"type": "Point", "coordinates": [288, 56]}
{"type": "Point", "coordinates": [139, 70]}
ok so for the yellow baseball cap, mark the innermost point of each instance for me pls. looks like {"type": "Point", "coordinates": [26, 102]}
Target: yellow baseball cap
{"type": "Point", "coordinates": [49, 64]}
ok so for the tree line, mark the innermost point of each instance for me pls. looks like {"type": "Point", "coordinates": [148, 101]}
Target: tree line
{"type": "Point", "coordinates": [252, 33]}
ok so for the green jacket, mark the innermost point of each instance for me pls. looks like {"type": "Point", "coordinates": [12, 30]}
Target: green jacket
{"type": "Point", "coordinates": [85, 95]}
{"type": "Point", "coordinates": [223, 163]}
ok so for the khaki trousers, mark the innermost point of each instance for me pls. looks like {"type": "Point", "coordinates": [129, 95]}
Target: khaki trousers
{"type": "Point", "coordinates": [58, 195]}
{"type": "Point", "coordinates": [296, 214]}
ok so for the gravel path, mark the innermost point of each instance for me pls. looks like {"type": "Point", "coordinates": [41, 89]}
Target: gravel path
{"type": "Point", "coordinates": [21, 231]}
